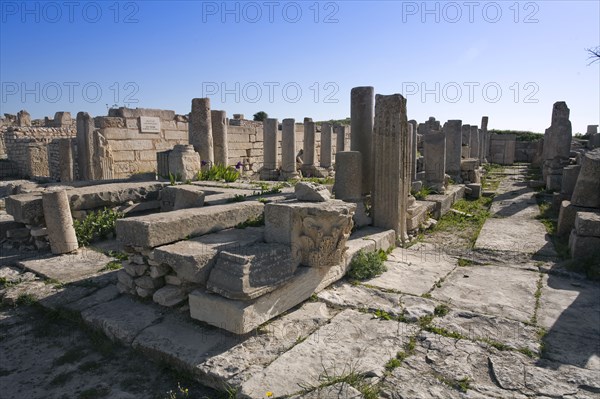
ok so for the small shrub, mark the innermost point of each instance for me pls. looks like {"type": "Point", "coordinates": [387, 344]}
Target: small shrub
{"type": "Point", "coordinates": [367, 265]}
{"type": "Point", "coordinates": [219, 172]}
{"type": "Point", "coordinates": [254, 222]}
{"type": "Point", "coordinates": [422, 193]}
{"type": "Point", "coordinates": [237, 198]}
{"type": "Point", "coordinates": [441, 310]}
{"type": "Point", "coordinates": [96, 225]}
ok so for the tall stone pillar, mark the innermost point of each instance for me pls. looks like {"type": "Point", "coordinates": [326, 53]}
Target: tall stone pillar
{"type": "Point", "coordinates": [326, 146]}
{"type": "Point", "coordinates": [269, 169]}
{"type": "Point", "coordinates": [65, 154]}
{"type": "Point", "coordinates": [348, 176]}
{"type": "Point", "coordinates": [200, 126]}
{"type": "Point", "coordinates": [361, 130]}
{"type": "Point", "coordinates": [288, 149]}
{"type": "Point", "coordinates": [308, 158]}
{"type": "Point", "coordinates": [340, 137]}
{"type": "Point", "coordinates": [557, 144]}
{"type": "Point", "coordinates": [474, 143]}
{"type": "Point", "coordinates": [59, 222]}
{"type": "Point", "coordinates": [452, 131]}
{"type": "Point", "coordinates": [413, 127]}
{"type": "Point", "coordinates": [391, 177]}
{"type": "Point", "coordinates": [434, 147]}
{"type": "Point", "coordinates": [486, 138]}
{"type": "Point", "coordinates": [85, 145]}
{"type": "Point", "coordinates": [219, 130]}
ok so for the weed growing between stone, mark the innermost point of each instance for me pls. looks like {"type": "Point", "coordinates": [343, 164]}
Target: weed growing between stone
{"type": "Point", "coordinates": [96, 225]}
{"type": "Point", "coordinates": [366, 265]}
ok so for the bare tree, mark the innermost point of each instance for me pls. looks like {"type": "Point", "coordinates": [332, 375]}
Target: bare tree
{"type": "Point", "coordinates": [594, 54]}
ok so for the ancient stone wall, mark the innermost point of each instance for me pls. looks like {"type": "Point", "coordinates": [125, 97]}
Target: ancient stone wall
{"type": "Point", "coordinates": [527, 151]}
{"type": "Point", "coordinates": [21, 144]}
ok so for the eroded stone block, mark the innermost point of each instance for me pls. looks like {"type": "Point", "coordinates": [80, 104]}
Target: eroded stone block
{"type": "Point", "coordinates": [250, 272]}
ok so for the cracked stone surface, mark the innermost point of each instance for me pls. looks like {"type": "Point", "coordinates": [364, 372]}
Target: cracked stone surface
{"type": "Point", "coordinates": [495, 290]}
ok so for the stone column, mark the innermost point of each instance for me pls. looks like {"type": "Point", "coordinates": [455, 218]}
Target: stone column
{"type": "Point", "coordinates": [348, 176]}
{"type": "Point", "coordinates": [85, 145]}
{"type": "Point", "coordinates": [466, 141]}
{"type": "Point", "coordinates": [557, 144]}
{"type": "Point", "coordinates": [59, 222]}
{"type": "Point", "coordinates": [326, 146]}
{"type": "Point", "coordinates": [485, 139]}
{"type": "Point", "coordinates": [413, 127]}
{"type": "Point", "coordinates": [269, 169]}
{"type": "Point", "coordinates": [587, 189]}
{"type": "Point", "coordinates": [453, 133]}
{"type": "Point", "coordinates": [434, 147]}
{"type": "Point", "coordinates": [391, 177]}
{"type": "Point", "coordinates": [361, 130]}
{"type": "Point", "coordinates": [474, 143]}
{"type": "Point", "coordinates": [288, 149]}
{"type": "Point", "coordinates": [200, 127]}
{"type": "Point", "coordinates": [308, 158]}
{"type": "Point", "coordinates": [219, 130]}
{"type": "Point", "coordinates": [65, 154]}
{"type": "Point", "coordinates": [340, 136]}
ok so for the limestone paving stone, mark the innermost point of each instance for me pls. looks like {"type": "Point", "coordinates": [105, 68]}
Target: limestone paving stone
{"type": "Point", "coordinates": [99, 296]}
{"type": "Point", "coordinates": [495, 290]}
{"type": "Point", "coordinates": [414, 270]}
{"type": "Point", "coordinates": [335, 391]}
{"type": "Point", "coordinates": [70, 267]}
{"type": "Point", "coordinates": [571, 338]}
{"type": "Point", "coordinates": [352, 340]}
{"type": "Point", "coordinates": [254, 352]}
{"type": "Point", "coordinates": [122, 319]}
{"type": "Point", "coordinates": [475, 326]}
{"type": "Point", "coordinates": [344, 295]}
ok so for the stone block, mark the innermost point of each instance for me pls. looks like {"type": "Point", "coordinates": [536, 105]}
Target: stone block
{"type": "Point", "coordinates": [587, 189]}
{"type": "Point", "coordinates": [566, 217]}
{"type": "Point", "coordinates": [311, 192]}
{"type": "Point", "coordinates": [588, 224]}
{"type": "Point", "coordinates": [159, 270]}
{"type": "Point", "coordinates": [169, 295]}
{"type": "Point", "coordinates": [241, 317]}
{"type": "Point", "coordinates": [163, 228]}
{"type": "Point", "coordinates": [181, 197]}
{"type": "Point", "coordinates": [250, 272]}
{"type": "Point", "coordinates": [317, 232]}
{"type": "Point", "coordinates": [583, 247]}
{"type": "Point", "coordinates": [149, 283]}
{"type": "Point", "coordinates": [125, 279]}
{"type": "Point", "coordinates": [193, 259]}
{"type": "Point", "coordinates": [135, 270]}
{"type": "Point", "coordinates": [475, 190]}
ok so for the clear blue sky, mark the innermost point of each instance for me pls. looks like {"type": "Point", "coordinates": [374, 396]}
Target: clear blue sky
{"type": "Point", "coordinates": [452, 60]}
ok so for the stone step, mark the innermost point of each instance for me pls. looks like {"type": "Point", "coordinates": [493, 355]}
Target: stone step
{"type": "Point", "coordinates": [241, 317]}
{"type": "Point", "coordinates": [157, 229]}
{"type": "Point", "coordinates": [27, 208]}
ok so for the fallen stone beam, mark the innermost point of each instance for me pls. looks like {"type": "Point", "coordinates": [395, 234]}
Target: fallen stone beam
{"type": "Point", "coordinates": [150, 231]}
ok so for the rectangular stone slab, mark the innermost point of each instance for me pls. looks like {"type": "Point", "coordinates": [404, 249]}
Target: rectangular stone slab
{"type": "Point", "coordinates": [27, 208]}
{"type": "Point", "coordinates": [193, 259]}
{"type": "Point", "coordinates": [241, 317]}
{"type": "Point", "coordinates": [163, 228]}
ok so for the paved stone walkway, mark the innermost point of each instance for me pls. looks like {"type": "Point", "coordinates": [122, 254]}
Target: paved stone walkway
{"type": "Point", "coordinates": [513, 324]}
